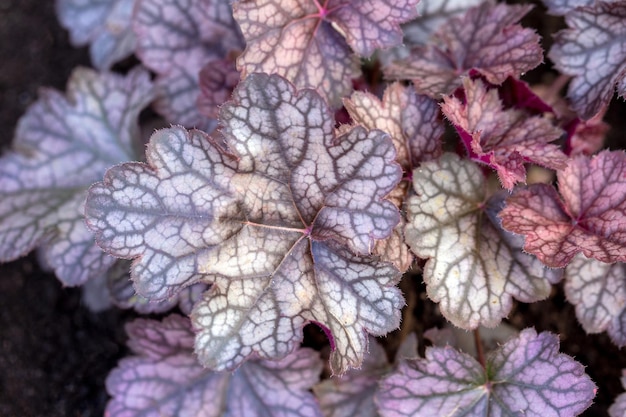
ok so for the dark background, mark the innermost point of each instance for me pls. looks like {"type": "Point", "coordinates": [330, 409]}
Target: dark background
{"type": "Point", "coordinates": [55, 354]}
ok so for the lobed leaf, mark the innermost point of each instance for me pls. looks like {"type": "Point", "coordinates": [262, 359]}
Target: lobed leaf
{"type": "Point", "coordinates": [413, 122]}
{"type": "Point", "coordinates": [164, 378]}
{"type": "Point", "coordinates": [175, 39]}
{"type": "Point", "coordinates": [587, 217]}
{"type": "Point", "coordinates": [598, 291]}
{"type": "Point", "coordinates": [486, 38]}
{"type": "Point", "coordinates": [503, 139]}
{"type": "Point", "coordinates": [283, 228]}
{"type": "Point", "coordinates": [218, 79]}
{"type": "Point", "coordinates": [62, 145]}
{"type": "Point", "coordinates": [104, 24]}
{"type": "Point", "coordinates": [593, 51]}
{"type": "Point", "coordinates": [308, 42]}
{"type": "Point", "coordinates": [474, 267]}
{"type": "Point", "coordinates": [526, 376]}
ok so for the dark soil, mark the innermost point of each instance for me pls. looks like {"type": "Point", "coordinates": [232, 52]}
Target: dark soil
{"type": "Point", "coordinates": [55, 354]}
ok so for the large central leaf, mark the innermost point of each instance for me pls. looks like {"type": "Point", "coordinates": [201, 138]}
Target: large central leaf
{"type": "Point", "coordinates": [282, 228]}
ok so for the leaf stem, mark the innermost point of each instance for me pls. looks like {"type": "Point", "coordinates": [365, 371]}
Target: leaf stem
{"type": "Point", "coordinates": [479, 348]}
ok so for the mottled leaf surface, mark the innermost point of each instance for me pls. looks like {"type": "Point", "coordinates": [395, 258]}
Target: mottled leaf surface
{"type": "Point", "coordinates": [598, 291]}
{"type": "Point", "coordinates": [282, 229]}
{"type": "Point", "coordinates": [175, 39]}
{"type": "Point", "coordinates": [432, 15]}
{"type": "Point", "coordinates": [618, 408]}
{"type": "Point", "coordinates": [413, 122]}
{"type": "Point", "coordinates": [526, 376]}
{"type": "Point", "coordinates": [588, 216]}
{"type": "Point", "coordinates": [123, 294]}
{"type": "Point", "coordinates": [474, 267]}
{"type": "Point", "coordinates": [104, 24]}
{"type": "Point", "coordinates": [164, 378]}
{"type": "Point", "coordinates": [218, 79]}
{"type": "Point", "coordinates": [62, 145]}
{"type": "Point", "coordinates": [504, 139]}
{"type": "Point", "coordinates": [593, 51]}
{"type": "Point", "coordinates": [562, 7]}
{"type": "Point", "coordinates": [486, 38]}
{"type": "Point", "coordinates": [311, 43]}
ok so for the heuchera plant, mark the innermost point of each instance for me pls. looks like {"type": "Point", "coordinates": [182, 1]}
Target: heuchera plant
{"type": "Point", "coordinates": [304, 174]}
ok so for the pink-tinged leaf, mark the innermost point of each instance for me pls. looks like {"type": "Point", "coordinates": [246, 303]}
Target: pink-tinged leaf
{"type": "Point", "coordinates": [486, 38]}
{"type": "Point", "coordinates": [413, 122]}
{"type": "Point", "coordinates": [593, 51]}
{"type": "Point", "coordinates": [474, 267]}
{"type": "Point", "coordinates": [586, 137]}
{"type": "Point", "coordinates": [618, 408]}
{"type": "Point", "coordinates": [589, 216]}
{"type": "Point", "coordinates": [598, 291]}
{"type": "Point", "coordinates": [292, 39]}
{"type": "Point", "coordinates": [526, 376]}
{"type": "Point", "coordinates": [503, 139]}
{"type": "Point", "coordinates": [104, 24]}
{"type": "Point", "coordinates": [283, 230]}
{"type": "Point", "coordinates": [62, 145]}
{"type": "Point", "coordinates": [175, 39]}
{"type": "Point", "coordinates": [165, 378]}
{"type": "Point", "coordinates": [218, 79]}
{"type": "Point", "coordinates": [411, 119]}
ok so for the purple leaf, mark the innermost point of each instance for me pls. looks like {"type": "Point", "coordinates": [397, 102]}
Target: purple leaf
{"type": "Point", "coordinates": [62, 145]}
{"type": "Point", "coordinates": [432, 15]}
{"type": "Point", "coordinates": [352, 394]}
{"type": "Point", "coordinates": [598, 291]}
{"type": "Point", "coordinates": [413, 122]}
{"type": "Point", "coordinates": [123, 295]}
{"type": "Point", "coordinates": [303, 40]}
{"type": "Point", "coordinates": [282, 230]}
{"type": "Point", "coordinates": [562, 7]}
{"type": "Point", "coordinates": [165, 378]}
{"type": "Point", "coordinates": [618, 408]}
{"type": "Point", "coordinates": [176, 39]}
{"type": "Point", "coordinates": [105, 24]}
{"type": "Point", "coordinates": [218, 79]}
{"type": "Point", "coordinates": [588, 216]}
{"type": "Point", "coordinates": [474, 267]}
{"type": "Point", "coordinates": [593, 51]}
{"type": "Point", "coordinates": [486, 39]}
{"type": "Point", "coordinates": [502, 139]}
{"type": "Point", "coordinates": [526, 376]}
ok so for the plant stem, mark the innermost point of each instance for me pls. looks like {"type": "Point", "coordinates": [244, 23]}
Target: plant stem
{"type": "Point", "coordinates": [479, 348]}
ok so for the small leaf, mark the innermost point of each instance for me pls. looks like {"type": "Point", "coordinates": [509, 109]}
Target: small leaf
{"type": "Point", "coordinates": [486, 39]}
{"type": "Point", "coordinates": [218, 79]}
{"type": "Point", "coordinates": [502, 139]}
{"type": "Point", "coordinates": [283, 229]}
{"type": "Point", "coordinates": [309, 42]}
{"type": "Point", "coordinates": [62, 145]}
{"type": "Point", "coordinates": [105, 24]}
{"type": "Point", "coordinates": [526, 376]}
{"type": "Point", "coordinates": [474, 267]}
{"type": "Point", "coordinates": [175, 39]}
{"type": "Point", "coordinates": [593, 51]}
{"type": "Point", "coordinates": [588, 216]}
{"type": "Point", "coordinates": [598, 291]}
{"type": "Point", "coordinates": [165, 378]}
